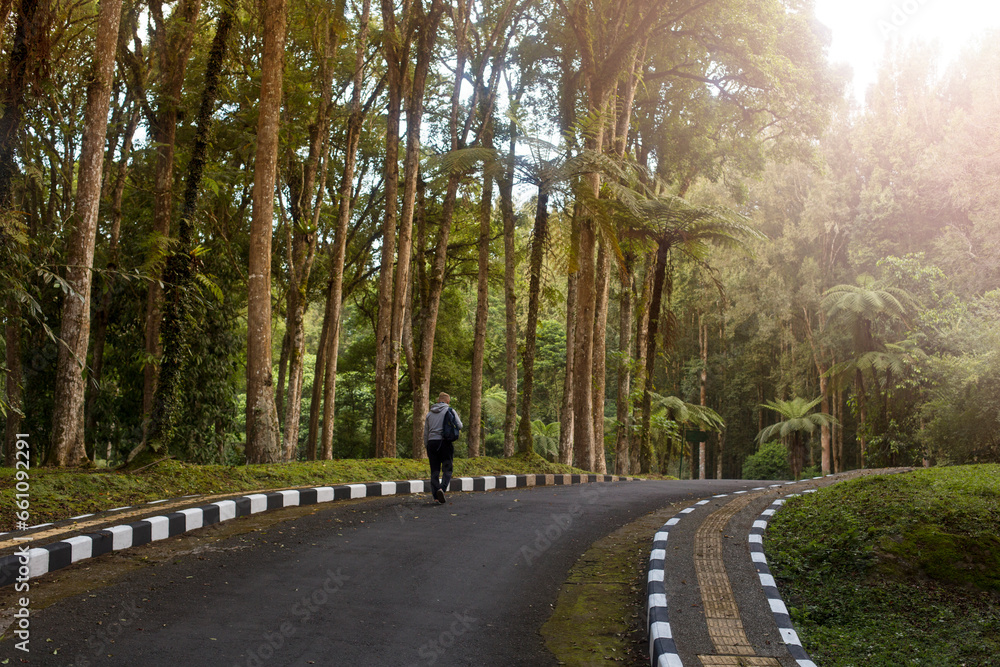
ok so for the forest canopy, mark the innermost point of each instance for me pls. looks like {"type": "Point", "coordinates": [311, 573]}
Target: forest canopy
{"type": "Point", "coordinates": [630, 236]}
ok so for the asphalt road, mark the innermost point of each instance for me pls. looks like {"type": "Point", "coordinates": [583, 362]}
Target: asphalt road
{"type": "Point", "coordinates": [387, 581]}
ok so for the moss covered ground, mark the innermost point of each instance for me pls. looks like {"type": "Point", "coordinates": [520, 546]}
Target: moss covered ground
{"type": "Point", "coordinates": [600, 613]}
{"type": "Point", "coordinates": [895, 570]}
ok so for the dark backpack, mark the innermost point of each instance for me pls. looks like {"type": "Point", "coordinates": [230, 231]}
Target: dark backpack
{"type": "Point", "coordinates": [450, 430]}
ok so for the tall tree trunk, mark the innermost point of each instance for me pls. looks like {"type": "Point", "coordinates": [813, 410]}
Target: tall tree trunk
{"type": "Point", "coordinates": [603, 286]}
{"type": "Point", "coordinates": [724, 384]}
{"type": "Point", "coordinates": [510, 300]}
{"type": "Point", "coordinates": [604, 33]}
{"type": "Point", "coordinates": [171, 42]}
{"type": "Point", "coordinates": [567, 418]}
{"type": "Point", "coordinates": [586, 310]}
{"type": "Point", "coordinates": [425, 320]}
{"type": "Point", "coordinates": [646, 452]}
{"type": "Point", "coordinates": [263, 435]}
{"type": "Point", "coordinates": [703, 382]}
{"type": "Point", "coordinates": [319, 380]}
{"type": "Point", "coordinates": [418, 313]}
{"type": "Point", "coordinates": [862, 416]}
{"type": "Point", "coordinates": [619, 141]}
{"type": "Point", "coordinates": [305, 251]}
{"type": "Point", "coordinates": [337, 259]}
{"type": "Point", "coordinates": [482, 306]}
{"type": "Point", "coordinates": [70, 386]}
{"type": "Point", "coordinates": [641, 329]}
{"type": "Point", "coordinates": [583, 344]}
{"type": "Point", "coordinates": [386, 363]}
{"type": "Point", "coordinates": [279, 394]}
{"type": "Point", "coordinates": [306, 208]}
{"type": "Point", "coordinates": [487, 100]}
{"type": "Point", "coordinates": [622, 404]}
{"type": "Point", "coordinates": [822, 366]}
{"type": "Point", "coordinates": [296, 365]}
{"type": "Point", "coordinates": [411, 173]}
{"type": "Point", "coordinates": [838, 413]}
{"type": "Point", "coordinates": [537, 255]}
{"type": "Point", "coordinates": [826, 460]}
{"type": "Point", "coordinates": [103, 312]}
{"type": "Point", "coordinates": [718, 460]}
{"type": "Point", "coordinates": [394, 284]}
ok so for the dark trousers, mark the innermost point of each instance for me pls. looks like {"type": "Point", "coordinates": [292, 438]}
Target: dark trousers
{"type": "Point", "coordinates": [440, 453]}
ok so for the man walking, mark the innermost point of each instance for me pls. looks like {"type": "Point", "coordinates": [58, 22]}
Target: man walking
{"type": "Point", "coordinates": [440, 431]}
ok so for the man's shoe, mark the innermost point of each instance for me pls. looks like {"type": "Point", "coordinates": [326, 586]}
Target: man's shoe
{"type": "Point", "coordinates": [440, 496]}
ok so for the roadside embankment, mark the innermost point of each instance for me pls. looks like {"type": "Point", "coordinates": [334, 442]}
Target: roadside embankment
{"type": "Point", "coordinates": [897, 569]}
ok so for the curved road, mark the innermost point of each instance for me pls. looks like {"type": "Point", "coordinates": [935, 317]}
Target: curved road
{"type": "Point", "coordinates": [399, 580]}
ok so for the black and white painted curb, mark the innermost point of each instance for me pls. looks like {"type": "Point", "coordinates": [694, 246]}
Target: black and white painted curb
{"type": "Point", "coordinates": [110, 511]}
{"type": "Point", "coordinates": [662, 649]}
{"type": "Point", "coordinates": [28, 563]}
{"type": "Point", "coordinates": [778, 608]}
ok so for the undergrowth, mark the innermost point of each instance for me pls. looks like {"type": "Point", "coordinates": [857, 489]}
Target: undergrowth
{"type": "Point", "coordinates": [894, 570]}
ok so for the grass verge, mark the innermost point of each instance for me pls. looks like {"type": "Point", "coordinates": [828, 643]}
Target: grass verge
{"type": "Point", "coordinates": [56, 494]}
{"type": "Point", "coordinates": [599, 616]}
{"type": "Point", "coordinates": [894, 570]}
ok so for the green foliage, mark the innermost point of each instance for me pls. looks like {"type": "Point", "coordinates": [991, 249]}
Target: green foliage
{"type": "Point", "coordinates": [493, 444]}
{"type": "Point", "coordinates": [206, 419]}
{"type": "Point", "coordinates": [355, 389]}
{"type": "Point", "coordinates": [546, 439]}
{"type": "Point", "coordinates": [894, 568]}
{"type": "Point", "coordinates": [770, 462]}
{"type": "Point", "coordinates": [797, 419]}
{"type": "Point", "coordinates": [550, 367]}
{"type": "Point", "coordinates": [688, 414]}
{"type": "Point", "coordinates": [931, 550]}
{"type": "Point", "coordinates": [15, 263]}
{"type": "Point", "coordinates": [866, 256]}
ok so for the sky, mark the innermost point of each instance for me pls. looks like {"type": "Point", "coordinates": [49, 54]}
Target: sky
{"type": "Point", "coordinates": [863, 28]}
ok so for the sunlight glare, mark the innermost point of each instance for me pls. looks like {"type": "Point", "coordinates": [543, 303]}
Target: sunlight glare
{"type": "Point", "coordinates": [862, 29]}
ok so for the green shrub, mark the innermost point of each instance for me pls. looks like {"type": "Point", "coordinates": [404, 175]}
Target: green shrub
{"type": "Point", "coordinates": [770, 462]}
{"type": "Point", "coordinates": [493, 445]}
{"type": "Point", "coordinates": [811, 471]}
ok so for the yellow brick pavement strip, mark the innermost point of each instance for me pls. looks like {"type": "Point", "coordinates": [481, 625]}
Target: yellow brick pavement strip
{"type": "Point", "coordinates": [719, 604]}
{"type": "Point", "coordinates": [722, 614]}
{"type": "Point", "coordinates": [737, 661]}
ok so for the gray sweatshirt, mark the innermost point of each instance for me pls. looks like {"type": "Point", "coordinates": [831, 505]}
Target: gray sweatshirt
{"type": "Point", "coordinates": [434, 424]}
